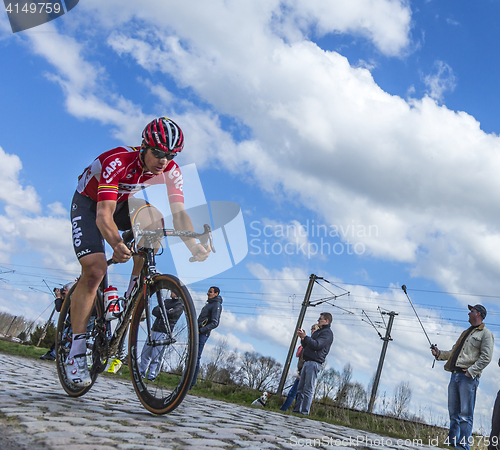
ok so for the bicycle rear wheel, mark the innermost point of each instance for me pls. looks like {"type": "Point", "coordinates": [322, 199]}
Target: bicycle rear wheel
{"type": "Point", "coordinates": [64, 338]}
{"type": "Point", "coordinates": [172, 365]}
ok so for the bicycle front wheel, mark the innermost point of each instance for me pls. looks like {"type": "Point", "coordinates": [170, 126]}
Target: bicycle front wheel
{"type": "Point", "coordinates": [64, 338]}
{"type": "Point", "coordinates": [162, 374]}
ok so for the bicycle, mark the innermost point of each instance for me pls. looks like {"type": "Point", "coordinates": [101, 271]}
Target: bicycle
{"type": "Point", "coordinates": [179, 348]}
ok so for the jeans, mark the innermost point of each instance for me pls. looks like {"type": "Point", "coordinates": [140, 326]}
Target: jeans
{"type": "Point", "coordinates": [202, 340]}
{"type": "Point", "coordinates": [461, 401]}
{"type": "Point", "coordinates": [151, 357]}
{"type": "Point", "coordinates": [291, 395]}
{"type": "Point", "coordinates": [495, 425]}
{"type": "Point", "coordinates": [305, 390]}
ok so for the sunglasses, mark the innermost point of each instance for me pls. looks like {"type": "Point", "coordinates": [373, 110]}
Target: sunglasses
{"type": "Point", "coordinates": [160, 154]}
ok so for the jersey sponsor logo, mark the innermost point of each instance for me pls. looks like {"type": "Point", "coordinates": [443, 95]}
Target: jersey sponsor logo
{"type": "Point", "coordinates": [83, 252]}
{"type": "Point", "coordinates": [77, 231]}
{"type": "Point", "coordinates": [176, 173]}
{"type": "Point", "coordinates": [110, 168]}
{"type": "Point", "coordinates": [131, 187]}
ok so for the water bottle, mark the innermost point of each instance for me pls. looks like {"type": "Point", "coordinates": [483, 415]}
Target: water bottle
{"type": "Point", "coordinates": [111, 303]}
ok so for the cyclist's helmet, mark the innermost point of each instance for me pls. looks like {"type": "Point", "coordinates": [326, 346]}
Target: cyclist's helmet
{"type": "Point", "coordinates": [164, 134]}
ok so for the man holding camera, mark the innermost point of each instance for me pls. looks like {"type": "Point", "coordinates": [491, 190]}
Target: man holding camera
{"type": "Point", "coordinates": [60, 295]}
{"type": "Point", "coordinates": [466, 360]}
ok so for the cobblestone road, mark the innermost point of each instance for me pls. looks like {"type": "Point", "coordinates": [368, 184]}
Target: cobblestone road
{"type": "Point", "coordinates": [36, 413]}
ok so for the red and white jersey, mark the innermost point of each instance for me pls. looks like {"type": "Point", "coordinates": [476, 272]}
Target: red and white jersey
{"type": "Point", "coordinates": [118, 173]}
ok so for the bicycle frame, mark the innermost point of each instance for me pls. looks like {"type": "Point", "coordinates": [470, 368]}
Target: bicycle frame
{"type": "Point", "coordinates": [148, 271]}
{"type": "Point", "coordinates": [158, 390]}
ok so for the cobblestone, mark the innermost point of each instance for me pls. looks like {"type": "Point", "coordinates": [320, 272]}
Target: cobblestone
{"type": "Point", "coordinates": [37, 414]}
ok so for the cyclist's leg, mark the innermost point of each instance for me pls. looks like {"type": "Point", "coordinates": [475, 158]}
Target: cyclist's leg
{"type": "Point", "coordinates": [89, 248]}
{"type": "Point", "coordinates": [82, 304]}
{"type": "Point", "coordinates": [93, 270]}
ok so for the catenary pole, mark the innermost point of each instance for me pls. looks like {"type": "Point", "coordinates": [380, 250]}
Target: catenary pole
{"type": "Point", "coordinates": [386, 340]}
{"type": "Point", "coordinates": [46, 326]}
{"type": "Point", "coordinates": [300, 320]}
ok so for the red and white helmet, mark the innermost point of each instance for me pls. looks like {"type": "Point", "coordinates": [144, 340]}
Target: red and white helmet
{"type": "Point", "coordinates": [164, 134]}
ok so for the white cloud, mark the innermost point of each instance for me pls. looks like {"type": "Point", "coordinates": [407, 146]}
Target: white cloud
{"type": "Point", "coordinates": [11, 191]}
{"type": "Point", "coordinates": [84, 84]}
{"type": "Point", "coordinates": [441, 80]}
{"type": "Point", "coordinates": [423, 178]}
{"type": "Point", "coordinates": [233, 342]}
{"type": "Point", "coordinates": [23, 226]}
{"type": "Point", "coordinates": [386, 23]}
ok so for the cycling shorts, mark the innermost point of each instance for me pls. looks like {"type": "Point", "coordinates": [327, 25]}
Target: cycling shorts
{"type": "Point", "coordinates": [87, 238]}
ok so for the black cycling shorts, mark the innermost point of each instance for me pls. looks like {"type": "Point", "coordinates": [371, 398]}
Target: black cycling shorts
{"type": "Point", "coordinates": [87, 238]}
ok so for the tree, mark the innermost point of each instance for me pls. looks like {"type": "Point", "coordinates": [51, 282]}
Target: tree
{"type": "Point", "coordinates": [222, 366]}
{"type": "Point", "coordinates": [401, 400]}
{"type": "Point", "coordinates": [326, 383]}
{"type": "Point", "coordinates": [11, 325]}
{"type": "Point", "coordinates": [259, 372]}
{"type": "Point", "coordinates": [344, 386]}
{"type": "Point", "coordinates": [49, 338]}
{"type": "Point", "coordinates": [356, 396]}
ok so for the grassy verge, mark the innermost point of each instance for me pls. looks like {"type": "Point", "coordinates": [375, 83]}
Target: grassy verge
{"type": "Point", "coordinates": [412, 432]}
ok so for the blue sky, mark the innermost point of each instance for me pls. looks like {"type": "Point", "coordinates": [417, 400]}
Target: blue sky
{"type": "Point", "coordinates": [376, 118]}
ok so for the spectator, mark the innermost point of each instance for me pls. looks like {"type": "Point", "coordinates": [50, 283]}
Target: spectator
{"type": "Point", "coordinates": [292, 393]}
{"type": "Point", "coordinates": [58, 302]}
{"type": "Point", "coordinates": [207, 320]}
{"type": "Point", "coordinates": [151, 356]}
{"type": "Point", "coordinates": [316, 349]}
{"type": "Point", "coordinates": [466, 360]}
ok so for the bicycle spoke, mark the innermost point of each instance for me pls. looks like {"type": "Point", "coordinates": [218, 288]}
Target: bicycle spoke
{"type": "Point", "coordinates": [171, 365]}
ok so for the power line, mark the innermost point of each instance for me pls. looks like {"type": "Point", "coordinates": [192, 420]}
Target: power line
{"type": "Point", "coordinates": [273, 279]}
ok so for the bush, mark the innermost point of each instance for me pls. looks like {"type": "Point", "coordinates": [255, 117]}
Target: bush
{"type": "Point", "coordinates": [49, 338]}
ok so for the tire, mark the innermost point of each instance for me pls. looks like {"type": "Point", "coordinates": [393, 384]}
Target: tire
{"type": "Point", "coordinates": [63, 344]}
{"type": "Point", "coordinates": [177, 360]}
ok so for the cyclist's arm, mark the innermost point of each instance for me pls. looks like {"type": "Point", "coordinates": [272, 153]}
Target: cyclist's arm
{"type": "Point", "coordinates": [109, 230]}
{"type": "Point", "coordinates": [182, 221]}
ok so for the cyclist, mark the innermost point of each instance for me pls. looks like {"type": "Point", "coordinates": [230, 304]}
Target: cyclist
{"type": "Point", "coordinates": [100, 209]}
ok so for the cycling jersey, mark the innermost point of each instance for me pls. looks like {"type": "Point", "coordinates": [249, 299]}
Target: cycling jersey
{"type": "Point", "coordinates": [118, 173]}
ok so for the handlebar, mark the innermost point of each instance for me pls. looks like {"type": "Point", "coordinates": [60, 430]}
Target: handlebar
{"type": "Point", "coordinates": [131, 235]}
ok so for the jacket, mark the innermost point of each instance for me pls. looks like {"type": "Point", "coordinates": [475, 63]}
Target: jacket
{"type": "Point", "coordinates": [317, 346]}
{"type": "Point", "coordinates": [300, 355]}
{"type": "Point", "coordinates": [174, 310]}
{"type": "Point", "coordinates": [210, 315]}
{"type": "Point", "coordinates": [476, 352]}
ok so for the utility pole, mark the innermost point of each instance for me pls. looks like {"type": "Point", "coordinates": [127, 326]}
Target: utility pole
{"type": "Point", "coordinates": [12, 323]}
{"type": "Point", "coordinates": [300, 320]}
{"type": "Point", "coordinates": [386, 340]}
{"type": "Point", "coordinates": [46, 326]}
